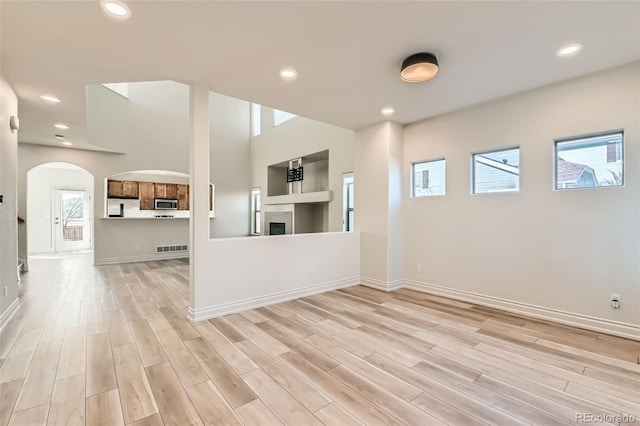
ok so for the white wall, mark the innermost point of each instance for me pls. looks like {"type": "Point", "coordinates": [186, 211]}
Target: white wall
{"type": "Point", "coordinates": [145, 234]}
{"type": "Point", "coordinates": [157, 134]}
{"type": "Point", "coordinates": [558, 250]}
{"type": "Point", "coordinates": [244, 273]}
{"type": "Point", "coordinates": [8, 208]}
{"type": "Point", "coordinates": [296, 138]}
{"type": "Point", "coordinates": [41, 181]}
{"type": "Point", "coordinates": [232, 274]}
{"type": "Point", "coordinates": [230, 165]}
{"type": "Point", "coordinates": [107, 113]}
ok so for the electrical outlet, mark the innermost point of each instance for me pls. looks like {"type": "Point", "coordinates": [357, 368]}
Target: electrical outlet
{"type": "Point", "coordinates": [615, 301]}
{"type": "Point", "coordinates": [311, 272]}
{"type": "Point", "coordinates": [418, 268]}
{"type": "Point", "coordinates": [135, 247]}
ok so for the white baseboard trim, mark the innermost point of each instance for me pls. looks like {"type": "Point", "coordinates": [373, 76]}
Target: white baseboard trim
{"type": "Point", "coordinates": [630, 331]}
{"type": "Point", "coordinates": [260, 301]}
{"type": "Point", "coordinates": [134, 259]}
{"type": "Point", "coordinates": [9, 313]}
{"type": "Point", "coordinates": [381, 285]}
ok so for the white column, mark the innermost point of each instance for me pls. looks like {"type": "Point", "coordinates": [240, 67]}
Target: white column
{"type": "Point", "coordinates": [378, 203]}
{"type": "Point", "coordinates": [199, 188]}
{"type": "Point", "coordinates": [396, 194]}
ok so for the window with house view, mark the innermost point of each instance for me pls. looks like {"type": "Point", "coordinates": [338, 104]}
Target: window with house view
{"type": "Point", "coordinates": [428, 178]}
{"type": "Point", "coordinates": [589, 161]}
{"type": "Point", "coordinates": [255, 210]}
{"type": "Point", "coordinates": [496, 171]}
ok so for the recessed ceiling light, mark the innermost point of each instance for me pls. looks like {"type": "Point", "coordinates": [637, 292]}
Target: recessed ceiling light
{"type": "Point", "coordinates": [387, 111]}
{"type": "Point", "coordinates": [59, 137]}
{"type": "Point", "coordinates": [67, 143]}
{"type": "Point", "coordinates": [116, 8]}
{"type": "Point", "coordinates": [61, 126]}
{"type": "Point", "coordinates": [288, 74]}
{"type": "Point", "coordinates": [569, 50]}
{"type": "Point", "coordinates": [51, 98]}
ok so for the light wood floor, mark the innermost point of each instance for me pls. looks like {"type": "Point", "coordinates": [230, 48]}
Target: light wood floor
{"type": "Point", "coordinates": [111, 345]}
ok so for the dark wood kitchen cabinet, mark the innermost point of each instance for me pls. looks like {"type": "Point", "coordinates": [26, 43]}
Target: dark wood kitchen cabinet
{"type": "Point", "coordinates": [146, 191]}
{"type": "Point", "coordinates": [183, 197]}
{"type": "Point", "coordinates": [167, 191]}
{"type": "Point", "coordinates": [122, 189]}
{"type": "Point", "coordinates": [115, 189]}
{"type": "Point", "coordinates": [130, 189]}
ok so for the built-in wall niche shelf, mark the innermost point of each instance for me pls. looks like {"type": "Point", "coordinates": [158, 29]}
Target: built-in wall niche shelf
{"type": "Point", "coordinates": [313, 168]}
{"type": "Point", "coordinates": [298, 195]}
{"type": "Point", "coordinates": [304, 197]}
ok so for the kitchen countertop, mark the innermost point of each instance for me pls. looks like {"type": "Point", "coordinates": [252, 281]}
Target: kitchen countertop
{"type": "Point", "coordinates": [142, 218]}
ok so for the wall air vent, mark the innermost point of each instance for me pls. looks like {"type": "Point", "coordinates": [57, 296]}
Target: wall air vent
{"type": "Point", "coordinates": [172, 248]}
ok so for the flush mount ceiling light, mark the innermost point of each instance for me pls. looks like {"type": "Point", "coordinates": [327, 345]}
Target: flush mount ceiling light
{"type": "Point", "coordinates": [51, 98]}
{"type": "Point", "coordinates": [419, 67]}
{"type": "Point", "coordinates": [61, 126]}
{"type": "Point", "coordinates": [387, 111]}
{"type": "Point", "coordinates": [288, 74]}
{"type": "Point", "coordinates": [67, 143]}
{"type": "Point", "coordinates": [116, 8]}
{"type": "Point", "coordinates": [569, 50]}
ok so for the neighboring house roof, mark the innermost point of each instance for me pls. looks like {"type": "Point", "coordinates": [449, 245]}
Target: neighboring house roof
{"type": "Point", "coordinates": [569, 172]}
{"type": "Point", "coordinates": [500, 165]}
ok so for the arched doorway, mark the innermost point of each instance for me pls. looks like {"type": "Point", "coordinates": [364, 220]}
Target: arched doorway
{"type": "Point", "coordinates": [59, 209]}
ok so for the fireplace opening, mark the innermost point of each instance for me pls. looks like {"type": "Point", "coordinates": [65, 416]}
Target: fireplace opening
{"type": "Point", "coordinates": [276, 228]}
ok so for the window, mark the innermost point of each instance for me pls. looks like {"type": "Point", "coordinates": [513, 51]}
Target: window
{"type": "Point", "coordinates": [256, 120]}
{"type": "Point", "coordinates": [589, 161]}
{"type": "Point", "coordinates": [496, 171]}
{"type": "Point", "coordinates": [347, 202]}
{"type": "Point", "coordinates": [120, 88]}
{"type": "Point", "coordinates": [280, 117]}
{"type": "Point", "coordinates": [255, 210]}
{"type": "Point", "coordinates": [428, 178]}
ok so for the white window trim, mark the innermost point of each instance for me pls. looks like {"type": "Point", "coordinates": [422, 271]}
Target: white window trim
{"type": "Point", "coordinates": [412, 182]}
{"type": "Point", "coordinates": [256, 120]}
{"type": "Point", "coordinates": [254, 191]}
{"type": "Point", "coordinates": [554, 182]}
{"type": "Point", "coordinates": [345, 209]}
{"type": "Point", "coordinates": [510, 170]}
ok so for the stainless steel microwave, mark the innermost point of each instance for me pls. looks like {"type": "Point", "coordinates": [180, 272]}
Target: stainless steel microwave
{"type": "Point", "coordinates": [166, 204]}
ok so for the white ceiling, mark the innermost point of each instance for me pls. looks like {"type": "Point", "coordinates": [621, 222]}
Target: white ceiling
{"type": "Point", "coordinates": [347, 53]}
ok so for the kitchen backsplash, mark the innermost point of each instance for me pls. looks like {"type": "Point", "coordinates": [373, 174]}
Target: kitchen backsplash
{"type": "Point", "coordinates": [132, 209]}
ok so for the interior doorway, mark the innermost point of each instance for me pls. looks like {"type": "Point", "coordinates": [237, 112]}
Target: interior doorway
{"type": "Point", "coordinates": [59, 209]}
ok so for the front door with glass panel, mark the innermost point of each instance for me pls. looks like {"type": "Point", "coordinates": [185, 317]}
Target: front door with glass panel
{"type": "Point", "coordinates": [71, 220]}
